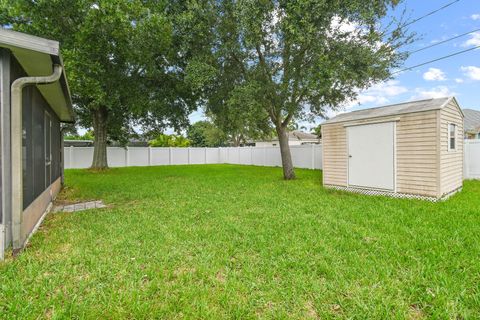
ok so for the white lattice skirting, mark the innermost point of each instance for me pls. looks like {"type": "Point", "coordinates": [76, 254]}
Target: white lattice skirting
{"type": "Point", "coordinates": [373, 192]}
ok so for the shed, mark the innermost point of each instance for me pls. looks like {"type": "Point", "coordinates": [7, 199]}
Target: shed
{"type": "Point", "coordinates": [34, 100]}
{"type": "Point", "coordinates": [412, 149]}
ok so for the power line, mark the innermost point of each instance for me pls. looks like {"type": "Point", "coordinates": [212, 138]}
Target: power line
{"type": "Point", "coordinates": [430, 13]}
{"type": "Point", "coordinates": [435, 60]}
{"type": "Point", "coordinates": [426, 15]}
{"type": "Point", "coordinates": [444, 41]}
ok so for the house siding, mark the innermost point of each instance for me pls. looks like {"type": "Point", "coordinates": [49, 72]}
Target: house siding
{"type": "Point", "coordinates": [334, 147]}
{"type": "Point", "coordinates": [451, 162]}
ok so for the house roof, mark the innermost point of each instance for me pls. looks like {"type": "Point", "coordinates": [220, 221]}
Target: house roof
{"type": "Point", "coordinates": [471, 120]}
{"type": "Point", "coordinates": [37, 56]}
{"type": "Point", "coordinates": [391, 110]}
{"type": "Point", "coordinates": [300, 135]}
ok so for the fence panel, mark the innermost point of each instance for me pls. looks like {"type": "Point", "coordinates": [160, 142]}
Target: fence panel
{"type": "Point", "coordinates": [116, 157]}
{"type": "Point", "coordinates": [179, 155]}
{"type": "Point", "coordinates": [302, 157]}
{"type": "Point", "coordinates": [472, 159]}
{"type": "Point", "coordinates": [138, 156]}
{"type": "Point", "coordinates": [81, 157]}
{"type": "Point", "coordinates": [197, 156]}
{"type": "Point", "coordinates": [159, 156]}
{"type": "Point", "coordinates": [213, 155]}
{"type": "Point", "coordinates": [306, 156]}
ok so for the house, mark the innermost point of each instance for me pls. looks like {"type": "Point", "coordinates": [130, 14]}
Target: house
{"type": "Point", "coordinates": [295, 138]}
{"type": "Point", "coordinates": [412, 149]}
{"type": "Point", "coordinates": [472, 124]}
{"type": "Point", "coordinates": [34, 100]}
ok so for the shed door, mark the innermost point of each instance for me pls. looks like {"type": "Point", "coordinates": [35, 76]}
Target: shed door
{"type": "Point", "coordinates": [371, 155]}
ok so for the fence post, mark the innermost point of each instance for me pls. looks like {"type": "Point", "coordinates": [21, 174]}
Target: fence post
{"type": "Point", "coordinates": [127, 157]}
{"type": "Point", "coordinates": [313, 156]}
{"type": "Point", "coordinates": [71, 156]}
{"type": "Point", "coordinates": [170, 155]}
{"type": "Point", "coordinates": [251, 155]}
{"type": "Point", "coordinates": [149, 156]}
{"type": "Point", "coordinates": [188, 155]}
{"type": "Point", "coordinates": [205, 153]}
{"type": "Point", "coordinates": [466, 171]}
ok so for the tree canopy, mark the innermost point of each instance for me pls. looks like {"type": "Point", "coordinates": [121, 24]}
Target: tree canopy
{"type": "Point", "coordinates": [206, 134]}
{"type": "Point", "coordinates": [125, 60]}
{"type": "Point", "coordinates": [292, 60]}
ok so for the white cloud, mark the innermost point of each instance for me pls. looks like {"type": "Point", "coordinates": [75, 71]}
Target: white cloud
{"type": "Point", "coordinates": [376, 95]}
{"type": "Point", "coordinates": [459, 80]}
{"type": "Point", "coordinates": [473, 41]}
{"type": "Point", "coordinates": [432, 93]}
{"type": "Point", "coordinates": [471, 72]}
{"type": "Point", "coordinates": [475, 16]}
{"type": "Point", "coordinates": [434, 74]}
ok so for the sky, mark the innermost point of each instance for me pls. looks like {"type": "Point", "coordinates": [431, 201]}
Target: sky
{"type": "Point", "coordinates": [458, 76]}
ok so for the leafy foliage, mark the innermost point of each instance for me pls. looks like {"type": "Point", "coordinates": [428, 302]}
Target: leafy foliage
{"type": "Point", "coordinates": [89, 135]}
{"type": "Point", "coordinates": [165, 140]}
{"type": "Point", "coordinates": [125, 60]}
{"type": "Point", "coordinates": [206, 134]}
{"type": "Point", "coordinates": [283, 61]}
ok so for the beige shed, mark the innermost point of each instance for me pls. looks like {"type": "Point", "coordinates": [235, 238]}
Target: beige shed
{"type": "Point", "coordinates": [412, 149]}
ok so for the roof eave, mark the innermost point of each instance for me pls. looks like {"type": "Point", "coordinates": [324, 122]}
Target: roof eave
{"type": "Point", "coordinates": [24, 46]}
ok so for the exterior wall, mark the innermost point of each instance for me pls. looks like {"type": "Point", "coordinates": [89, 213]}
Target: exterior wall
{"type": "Point", "coordinates": [416, 152]}
{"type": "Point", "coordinates": [35, 212]}
{"type": "Point", "coordinates": [335, 157]}
{"type": "Point", "coordinates": [451, 162]}
{"type": "Point", "coordinates": [39, 187]}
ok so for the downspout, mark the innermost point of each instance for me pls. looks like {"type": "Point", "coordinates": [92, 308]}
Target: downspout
{"type": "Point", "coordinates": [16, 141]}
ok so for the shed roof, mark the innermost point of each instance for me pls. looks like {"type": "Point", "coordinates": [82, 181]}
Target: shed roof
{"type": "Point", "coordinates": [472, 120]}
{"type": "Point", "coordinates": [391, 110]}
{"type": "Point", "coordinates": [37, 56]}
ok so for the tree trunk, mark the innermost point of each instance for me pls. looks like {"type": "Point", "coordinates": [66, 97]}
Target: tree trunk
{"type": "Point", "coordinates": [100, 143]}
{"type": "Point", "coordinates": [287, 164]}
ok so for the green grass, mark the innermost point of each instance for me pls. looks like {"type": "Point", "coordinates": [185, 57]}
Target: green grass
{"type": "Point", "coordinates": [225, 241]}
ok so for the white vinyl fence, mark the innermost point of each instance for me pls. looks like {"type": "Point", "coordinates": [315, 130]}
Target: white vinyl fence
{"type": "Point", "coordinates": [306, 156]}
{"type": "Point", "coordinates": [472, 159]}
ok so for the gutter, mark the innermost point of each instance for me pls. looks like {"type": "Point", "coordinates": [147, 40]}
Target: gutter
{"type": "Point", "coordinates": [16, 144]}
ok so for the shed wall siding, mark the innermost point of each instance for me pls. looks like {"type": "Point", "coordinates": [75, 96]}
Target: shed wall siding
{"type": "Point", "coordinates": [451, 162]}
{"type": "Point", "coordinates": [416, 153]}
{"type": "Point", "coordinates": [334, 146]}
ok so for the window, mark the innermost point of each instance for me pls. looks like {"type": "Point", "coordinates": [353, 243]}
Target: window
{"type": "Point", "coordinates": [452, 141]}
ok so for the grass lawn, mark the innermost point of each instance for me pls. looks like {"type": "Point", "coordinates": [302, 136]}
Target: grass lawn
{"type": "Point", "coordinates": [226, 241]}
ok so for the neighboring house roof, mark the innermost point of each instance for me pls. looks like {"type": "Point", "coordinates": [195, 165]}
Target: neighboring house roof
{"type": "Point", "coordinates": [300, 135]}
{"type": "Point", "coordinates": [471, 120]}
{"type": "Point", "coordinates": [37, 56]}
{"type": "Point", "coordinates": [295, 135]}
{"type": "Point", "coordinates": [391, 110]}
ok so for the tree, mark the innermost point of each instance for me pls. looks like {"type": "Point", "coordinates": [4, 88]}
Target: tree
{"type": "Point", "coordinates": [206, 134]}
{"type": "Point", "coordinates": [125, 60]}
{"type": "Point", "coordinates": [292, 60]}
